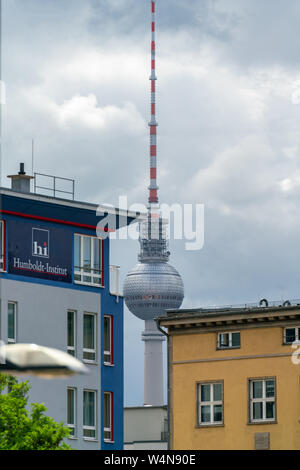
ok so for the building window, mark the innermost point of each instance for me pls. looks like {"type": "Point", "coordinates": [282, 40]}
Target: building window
{"type": "Point", "coordinates": [89, 414]}
{"type": "Point", "coordinates": [2, 245]}
{"type": "Point", "coordinates": [71, 407]}
{"type": "Point", "coordinates": [291, 334]}
{"type": "Point", "coordinates": [89, 337]}
{"type": "Point", "coordinates": [262, 400]}
{"type": "Point", "coordinates": [229, 340]}
{"type": "Point", "coordinates": [108, 417]}
{"type": "Point", "coordinates": [71, 340]}
{"type": "Point", "coordinates": [12, 322]}
{"type": "Point", "coordinates": [210, 403]}
{"type": "Point", "coordinates": [108, 340]}
{"type": "Point", "coordinates": [88, 260]}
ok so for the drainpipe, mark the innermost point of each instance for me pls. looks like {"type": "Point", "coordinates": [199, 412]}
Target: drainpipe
{"type": "Point", "coordinates": [168, 381]}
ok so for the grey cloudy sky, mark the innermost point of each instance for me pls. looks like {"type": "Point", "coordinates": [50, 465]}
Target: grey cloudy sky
{"type": "Point", "coordinates": [229, 82]}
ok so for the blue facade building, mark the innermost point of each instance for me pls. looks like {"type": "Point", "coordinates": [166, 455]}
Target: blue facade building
{"type": "Point", "coordinates": [56, 291]}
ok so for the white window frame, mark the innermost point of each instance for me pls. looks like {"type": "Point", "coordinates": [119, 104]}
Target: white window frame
{"type": "Point", "coordinates": [297, 334]}
{"type": "Point", "coordinates": [72, 426]}
{"type": "Point", "coordinates": [264, 399]}
{"type": "Point", "coordinates": [12, 340]}
{"type": "Point", "coordinates": [111, 418]}
{"type": "Point", "coordinates": [229, 333]}
{"type": "Point", "coordinates": [2, 247]}
{"type": "Point", "coordinates": [86, 350]}
{"type": "Point", "coordinates": [79, 270]}
{"type": "Point", "coordinates": [212, 403]}
{"type": "Point", "coordinates": [109, 353]}
{"type": "Point", "coordinates": [90, 428]}
{"type": "Point", "coordinates": [72, 349]}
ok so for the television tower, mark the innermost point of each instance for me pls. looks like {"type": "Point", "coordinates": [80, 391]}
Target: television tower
{"type": "Point", "coordinates": [153, 285]}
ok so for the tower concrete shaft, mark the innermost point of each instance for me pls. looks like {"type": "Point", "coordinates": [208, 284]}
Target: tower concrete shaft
{"type": "Point", "coordinates": [153, 365]}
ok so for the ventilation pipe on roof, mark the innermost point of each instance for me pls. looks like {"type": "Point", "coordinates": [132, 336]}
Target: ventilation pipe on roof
{"type": "Point", "coordinates": [21, 181]}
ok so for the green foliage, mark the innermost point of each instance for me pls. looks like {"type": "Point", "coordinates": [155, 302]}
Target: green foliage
{"type": "Point", "coordinates": [21, 429]}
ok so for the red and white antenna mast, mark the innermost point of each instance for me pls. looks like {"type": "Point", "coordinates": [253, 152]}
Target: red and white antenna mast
{"type": "Point", "coordinates": [153, 188]}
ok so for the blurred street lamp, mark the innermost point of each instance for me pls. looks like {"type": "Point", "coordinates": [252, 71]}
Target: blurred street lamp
{"type": "Point", "coordinates": [31, 359]}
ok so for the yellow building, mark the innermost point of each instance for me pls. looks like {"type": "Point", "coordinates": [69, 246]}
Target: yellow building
{"type": "Point", "coordinates": [234, 378]}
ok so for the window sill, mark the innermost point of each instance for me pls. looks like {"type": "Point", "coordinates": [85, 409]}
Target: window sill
{"type": "Point", "coordinates": [226, 349]}
{"type": "Point", "coordinates": [212, 425]}
{"type": "Point", "coordinates": [106, 441]}
{"type": "Point", "coordinates": [88, 284]}
{"type": "Point", "coordinates": [254, 423]}
{"type": "Point", "coordinates": [90, 439]}
{"type": "Point", "coordinates": [108, 364]}
{"type": "Point", "coordinates": [90, 363]}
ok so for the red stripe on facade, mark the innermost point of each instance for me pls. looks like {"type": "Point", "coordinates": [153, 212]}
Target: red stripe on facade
{"type": "Point", "coordinates": [40, 272]}
{"type": "Point", "coordinates": [56, 221]}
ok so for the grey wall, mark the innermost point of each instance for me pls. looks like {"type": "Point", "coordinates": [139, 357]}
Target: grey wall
{"type": "Point", "coordinates": [42, 319]}
{"type": "Point", "coordinates": [143, 427]}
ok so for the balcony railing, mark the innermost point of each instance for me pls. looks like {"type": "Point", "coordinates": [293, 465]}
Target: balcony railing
{"type": "Point", "coordinates": [114, 280]}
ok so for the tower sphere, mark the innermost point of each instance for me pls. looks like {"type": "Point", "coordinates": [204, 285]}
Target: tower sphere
{"type": "Point", "coordinates": [151, 288]}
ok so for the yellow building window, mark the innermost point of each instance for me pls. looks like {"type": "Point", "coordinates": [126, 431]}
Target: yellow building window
{"type": "Point", "coordinates": [229, 340]}
{"type": "Point", "coordinates": [262, 400]}
{"type": "Point", "coordinates": [210, 403]}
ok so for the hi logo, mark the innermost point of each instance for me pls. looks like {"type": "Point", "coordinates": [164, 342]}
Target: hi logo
{"type": "Point", "coordinates": [40, 243]}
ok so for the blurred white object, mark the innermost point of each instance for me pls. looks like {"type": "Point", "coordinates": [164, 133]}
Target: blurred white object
{"type": "Point", "coordinates": [32, 359]}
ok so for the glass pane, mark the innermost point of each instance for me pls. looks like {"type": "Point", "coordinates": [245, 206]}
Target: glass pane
{"type": "Point", "coordinates": [72, 431]}
{"type": "Point", "coordinates": [224, 340]}
{"type": "Point", "coordinates": [107, 358]}
{"type": "Point", "coordinates": [11, 321]}
{"type": "Point", "coordinates": [97, 260]}
{"type": "Point", "coordinates": [88, 408]}
{"type": "Point", "coordinates": [270, 410]}
{"type": "Point", "coordinates": [218, 414]}
{"type": "Point", "coordinates": [236, 339]}
{"type": "Point", "coordinates": [270, 388]}
{"type": "Point", "coordinates": [89, 356]}
{"type": "Point", "coordinates": [1, 239]}
{"type": "Point", "coordinates": [87, 254]}
{"type": "Point", "coordinates": [217, 392]}
{"type": "Point", "coordinates": [89, 433]}
{"type": "Point", "coordinates": [71, 329]}
{"type": "Point", "coordinates": [107, 435]}
{"type": "Point", "coordinates": [89, 332]}
{"type": "Point", "coordinates": [106, 334]}
{"type": "Point", "coordinates": [257, 410]}
{"type": "Point", "coordinates": [107, 410]}
{"type": "Point", "coordinates": [205, 414]}
{"type": "Point", "coordinates": [71, 352]}
{"type": "Point", "coordinates": [290, 335]}
{"type": "Point", "coordinates": [205, 392]}
{"type": "Point", "coordinates": [71, 406]}
{"type": "Point", "coordinates": [257, 389]}
{"type": "Point", "coordinates": [77, 251]}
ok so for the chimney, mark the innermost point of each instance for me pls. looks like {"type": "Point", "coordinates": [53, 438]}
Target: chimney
{"type": "Point", "coordinates": [21, 181]}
